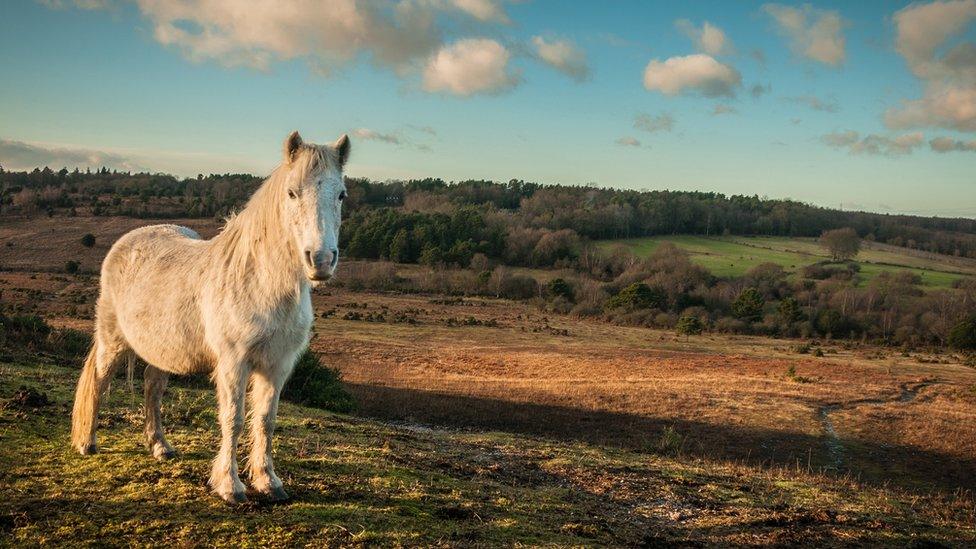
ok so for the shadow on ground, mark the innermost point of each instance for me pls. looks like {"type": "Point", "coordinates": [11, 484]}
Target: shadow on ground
{"type": "Point", "coordinates": [879, 464]}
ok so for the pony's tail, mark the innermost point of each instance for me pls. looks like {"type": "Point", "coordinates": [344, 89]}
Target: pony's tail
{"type": "Point", "coordinates": [83, 417]}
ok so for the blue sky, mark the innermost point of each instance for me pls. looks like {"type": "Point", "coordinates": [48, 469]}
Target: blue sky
{"type": "Point", "coordinates": [863, 105]}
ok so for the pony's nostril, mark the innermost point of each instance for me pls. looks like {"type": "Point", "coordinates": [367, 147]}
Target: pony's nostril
{"type": "Point", "coordinates": [308, 259]}
{"type": "Point", "coordinates": [335, 258]}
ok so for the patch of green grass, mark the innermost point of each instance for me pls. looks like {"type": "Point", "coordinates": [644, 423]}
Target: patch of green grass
{"type": "Point", "coordinates": [355, 481]}
{"type": "Point", "coordinates": [734, 256]}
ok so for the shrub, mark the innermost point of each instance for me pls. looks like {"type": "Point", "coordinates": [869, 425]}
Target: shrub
{"type": "Point", "coordinates": [72, 267]}
{"type": "Point", "coordinates": [729, 325]}
{"type": "Point", "coordinates": [88, 240]}
{"type": "Point", "coordinates": [513, 286]}
{"type": "Point", "coordinates": [28, 331]}
{"type": "Point", "coordinates": [689, 325]}
{"type": "Point", "coordinates": [318, 386]}
{"type": "Point", "coordinates": [823, 271]}
{"type": "Point", "coordinates": [748, 305]}
{"type": "Point", "coordinates": [638, 296]}
{"type": "Point", "coordinates": [558, 287]}
{"type": "Point", "coordinates": [963, 334]}
{"type": "Point", "coordinates": [831, 322]}
{"type": "Point", "coordinates": [789, 310]}
{"type": "Point", "coordinates": [68, 343]}
{"type": "Point", "coordinates": [33, 334]}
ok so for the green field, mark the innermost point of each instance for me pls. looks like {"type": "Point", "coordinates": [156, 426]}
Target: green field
{"type": "Point", "coordinates": [735, 255]}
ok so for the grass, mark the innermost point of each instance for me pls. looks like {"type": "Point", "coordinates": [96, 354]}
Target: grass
{"type": "Point", "coordinates": [734, 256]}
{"type": "Point", "coordinates": [361, 482]}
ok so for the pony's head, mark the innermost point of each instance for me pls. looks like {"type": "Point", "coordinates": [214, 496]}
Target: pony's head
{"type": "Point", "coordinates": [313, 193]}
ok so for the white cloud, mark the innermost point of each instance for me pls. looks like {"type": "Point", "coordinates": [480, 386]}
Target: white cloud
{"type": "Point", "coordinates": [399, 35]}
{"type": "Point", "coordinates": [949, 100]}
{"type": "Point", "coordinates": [81, 4]}
{"type": "Point", "coordinates": [813, 33]}
{"type": "Point", "coordinates": [563, 56]}
{"type": "Point", "coordinates": [628, 141]}
{"type": "Point", "coordinates": [372, 135]}
{"type": "Point", "coordinates": [874, 144]}
{"type": "Point", "coordinates": [815, 103]}
{"type": "Point", "coordinates": [708, 39]}
{"type": "Point", "coordinates": [840, 139]}
{"type": "Point", "coordinates": [470, 66]}
{"type": "Point", "coordinates": [697, 73]}
{"type": "Point", "coordinates": [19, 155]}
{"type": "Point", "coordinates": [482, 10]}
{"type": "Point", "coordinates": [947, 144]}
{"type": "Point", "coordinates": [722, 108]}
{"type": "Point", "coordinates": [648, 123]}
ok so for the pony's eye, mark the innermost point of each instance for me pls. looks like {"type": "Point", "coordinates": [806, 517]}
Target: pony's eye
{"type": "Point", "coordinates": [292, 194]}
{"type": "Point", "coordinates": [342, 196]}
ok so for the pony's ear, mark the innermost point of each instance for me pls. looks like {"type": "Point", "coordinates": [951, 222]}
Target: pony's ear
{"type": "Point", "coordinates": [292, 143]}
{"type": "Point", "coordinates": [342, 148]}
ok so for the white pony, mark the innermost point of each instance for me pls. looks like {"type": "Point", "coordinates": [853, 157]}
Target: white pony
{"type": "Point", "coordinates": [237, 306]}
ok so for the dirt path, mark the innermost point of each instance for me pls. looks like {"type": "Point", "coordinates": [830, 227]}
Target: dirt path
{"type": "Point", "coordinates": [835, 448]}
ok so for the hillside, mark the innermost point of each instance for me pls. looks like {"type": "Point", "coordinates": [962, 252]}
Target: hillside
{"type": "Point", "coordinates": [735, 255]}
{"type": "Point", "coordinates": [358, 481]}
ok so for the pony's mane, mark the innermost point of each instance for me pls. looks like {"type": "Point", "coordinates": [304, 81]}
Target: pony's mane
{"type": "Point", "coordinates": [258, 228]}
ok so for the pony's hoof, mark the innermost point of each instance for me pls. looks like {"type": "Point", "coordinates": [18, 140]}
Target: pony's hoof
{"type": "Point", "coordinates": [277, 494]}
{"type": "Point", "coordinates": [163, 452]}
{"type": "Point", "coordinates": [233, 498]}
{"type": "Point", "coordinates": [88, 449]}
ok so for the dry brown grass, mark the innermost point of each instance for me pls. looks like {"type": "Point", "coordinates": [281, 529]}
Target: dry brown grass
{"type": "Point", "coordinates": [718, 397]}
{"type": "Point", "coordinates": [499, 365]}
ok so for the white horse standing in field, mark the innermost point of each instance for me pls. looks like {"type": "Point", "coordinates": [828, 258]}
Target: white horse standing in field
{"type": "Point", "coordinates": [237, 306]}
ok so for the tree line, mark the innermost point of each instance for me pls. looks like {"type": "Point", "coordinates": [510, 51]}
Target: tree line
{"type": "Point", "coordinates": [517, 211]}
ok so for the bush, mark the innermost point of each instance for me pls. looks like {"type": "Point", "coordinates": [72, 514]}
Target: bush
{"type": "Point", "coordinates": [789, 310]}
{"type": "Point", "coordinates": [72, 267]}
{"type": "Point", "coordinates": [512, 286]}
{"type": "Point", "coordinates": [689, 325]}
{"type": "Point", "coordinates": [33, 334]}
{"type": "Point", "coordinates": [729, 325]}
{"type": "Point", "coordinates": [832, 323]}
{"type": "Point", "coordinates": [558, 287]}
{"type": "Point", "coordinates": [748, 305]}
{"type": "Point", "coordinates": [88, 240]}
{"type": "Point", "coordinates": [68, 343]}
{"type": "Point", "coordinates": [318, 386]}
{"type": "Point", "coordinates": [638, 296]}
{"type": "Point", "coordinates": [963, 334]}
{"type": "Point", "coordinates": [28, 331]}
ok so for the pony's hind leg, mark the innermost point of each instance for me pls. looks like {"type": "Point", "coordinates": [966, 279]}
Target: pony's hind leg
{"type": "Point", "coordinates": [155, 381]}
{"type": "Point", "coordinates": [104, 358]}
{"type": "Point", "coordinates": [231, 381]}
{"type": "Point", "coordinates": [265, 390]}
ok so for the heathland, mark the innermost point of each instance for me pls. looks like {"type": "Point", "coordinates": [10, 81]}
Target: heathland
{"type": "Point", "coordinates": [514, 356]}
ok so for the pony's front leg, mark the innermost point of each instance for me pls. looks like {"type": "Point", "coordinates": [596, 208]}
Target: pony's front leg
{"type": "Point", "coordinates": [265, 391]}
{"type": "Point", "coordinates": [231, 381]}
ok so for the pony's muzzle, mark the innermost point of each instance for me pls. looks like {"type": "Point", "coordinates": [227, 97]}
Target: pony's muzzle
{"type": "Point", "coordinates": [319, 265]}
